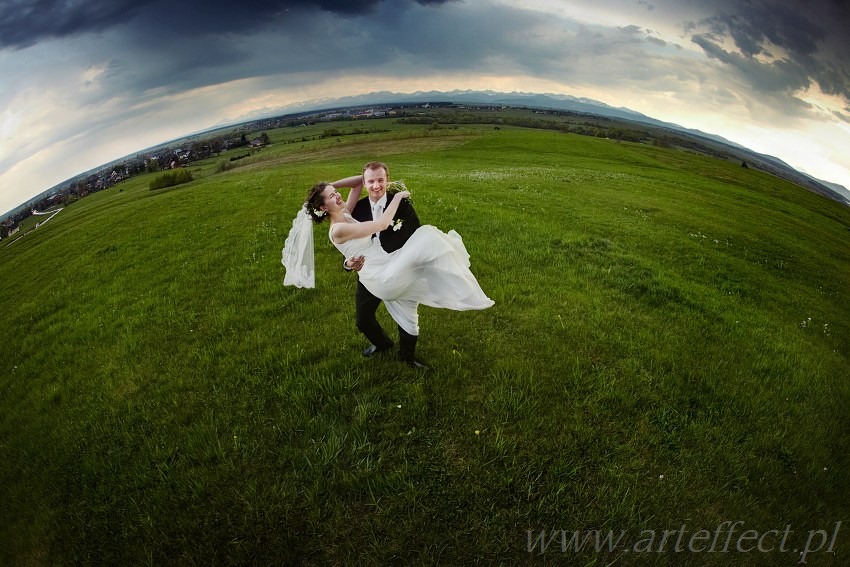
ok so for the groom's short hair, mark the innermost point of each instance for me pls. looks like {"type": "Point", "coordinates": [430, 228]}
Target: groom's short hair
{"type": "Point", "coordinates": [377, 165]}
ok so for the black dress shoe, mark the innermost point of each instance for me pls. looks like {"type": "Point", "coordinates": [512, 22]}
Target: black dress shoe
{"type": "Point", "coordinates": [416, 363]}
{"type": "Point", "coordinates": [372, 350]}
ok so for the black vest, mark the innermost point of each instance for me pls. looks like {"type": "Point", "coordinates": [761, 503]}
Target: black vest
{"type": "Point", "coordinates": [391, 240]}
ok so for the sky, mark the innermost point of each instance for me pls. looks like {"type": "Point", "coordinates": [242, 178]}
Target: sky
{"type": "Point", "coordinates": [83, 83]}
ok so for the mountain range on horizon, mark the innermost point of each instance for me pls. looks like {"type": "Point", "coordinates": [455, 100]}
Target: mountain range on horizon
{"type": "Point", "coordinates": [515, 98]}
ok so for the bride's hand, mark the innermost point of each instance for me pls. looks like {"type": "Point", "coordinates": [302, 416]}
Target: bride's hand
{"type": "Point", "coordinates": [403, 194]}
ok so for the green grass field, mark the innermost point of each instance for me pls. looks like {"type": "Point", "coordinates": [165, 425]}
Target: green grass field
{"type": "Point", "coordinates": [669, 347]}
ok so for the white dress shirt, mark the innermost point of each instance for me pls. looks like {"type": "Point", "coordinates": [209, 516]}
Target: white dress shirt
{"type": "Point", "coordinates": [378, 208]}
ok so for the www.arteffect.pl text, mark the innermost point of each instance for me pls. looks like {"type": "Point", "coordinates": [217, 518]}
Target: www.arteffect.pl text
{"type": "Point", "coordinates": [726, 537]}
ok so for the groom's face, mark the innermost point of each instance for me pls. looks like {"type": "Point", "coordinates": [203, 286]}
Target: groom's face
{"type": "Point", "coordinates": [375, 181]}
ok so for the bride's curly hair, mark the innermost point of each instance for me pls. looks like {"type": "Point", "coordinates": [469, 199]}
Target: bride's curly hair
{"type": "Point", "coordinates": [315, 201]}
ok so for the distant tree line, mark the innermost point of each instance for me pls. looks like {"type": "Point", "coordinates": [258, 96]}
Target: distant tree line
{"type": "Point", "coordinates": [334, 132]}
{"type": "Point", "coordinates": [583, 129]}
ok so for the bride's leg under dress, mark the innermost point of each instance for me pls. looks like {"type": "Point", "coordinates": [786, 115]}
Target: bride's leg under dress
{"type": "Point", "coordinates": [405, 313]}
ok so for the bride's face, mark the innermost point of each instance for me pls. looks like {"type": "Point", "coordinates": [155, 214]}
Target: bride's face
{"type": "Point", "coordinates": [333, 200]}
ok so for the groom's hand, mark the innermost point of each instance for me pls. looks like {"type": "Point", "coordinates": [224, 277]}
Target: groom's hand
{"type": "Point", "coordinates": [355, 263]}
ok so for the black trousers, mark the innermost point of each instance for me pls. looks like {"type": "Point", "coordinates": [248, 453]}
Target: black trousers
{"type": "Point", "coordinates": [367, 322]}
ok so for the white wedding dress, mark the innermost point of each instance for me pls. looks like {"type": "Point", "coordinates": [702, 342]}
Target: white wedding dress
{"type": "Point", "coordinates": [432, 268]}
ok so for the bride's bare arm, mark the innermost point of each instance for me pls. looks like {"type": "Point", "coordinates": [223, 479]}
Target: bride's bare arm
{"type": "Point", "coordinates": [343, 232]}
{"type": "Point", "coordinates": [356, 184]}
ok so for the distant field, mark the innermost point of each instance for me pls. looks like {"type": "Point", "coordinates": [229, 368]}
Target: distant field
{"type": "Point", "coordinates": [669, 347]}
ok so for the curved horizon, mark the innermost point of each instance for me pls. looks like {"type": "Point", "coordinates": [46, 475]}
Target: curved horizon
{"type": "Point", "coordinates": [91, 84]}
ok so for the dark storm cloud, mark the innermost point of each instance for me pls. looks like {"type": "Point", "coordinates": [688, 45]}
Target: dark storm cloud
{"type": "Point", "coordinates": [796, 43]}
{"type": "Point", "coordinates": [26, 22]}
{"type": "Point", "coordinates": [783, 24]}
{"type": "Point", "coordinates": [165, 47]}
{"type": "Point", "coordinates": [401, 39]}
{"type": "Point", "coordinates": [776, 77]}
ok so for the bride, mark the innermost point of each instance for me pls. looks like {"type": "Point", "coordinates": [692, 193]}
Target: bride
{"type": "Point", "coordinates": [432, 268]}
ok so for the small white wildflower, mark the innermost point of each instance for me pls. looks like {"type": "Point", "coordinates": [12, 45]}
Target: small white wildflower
{"type": "Point", "coordinates": [399, 406]}
{"type": "Point", "coordinates": [661, 477]}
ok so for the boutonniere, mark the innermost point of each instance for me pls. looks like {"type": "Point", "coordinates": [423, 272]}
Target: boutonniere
{"type": "Point", "coordinates": [397, 224]}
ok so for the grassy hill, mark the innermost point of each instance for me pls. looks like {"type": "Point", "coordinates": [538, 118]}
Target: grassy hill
{"type": "Point", "coordinates": [668, 348]}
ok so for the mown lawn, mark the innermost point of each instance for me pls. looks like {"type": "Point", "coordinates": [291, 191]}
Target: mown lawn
{"type": "Point", "coordinates": [669, 347]}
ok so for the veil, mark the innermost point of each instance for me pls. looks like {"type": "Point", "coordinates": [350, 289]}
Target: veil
{"type": "Point", "coordinates": [297, 255]}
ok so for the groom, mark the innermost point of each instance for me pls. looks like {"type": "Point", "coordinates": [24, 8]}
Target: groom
{"type": "Point", "coordinates": [375, 180]}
